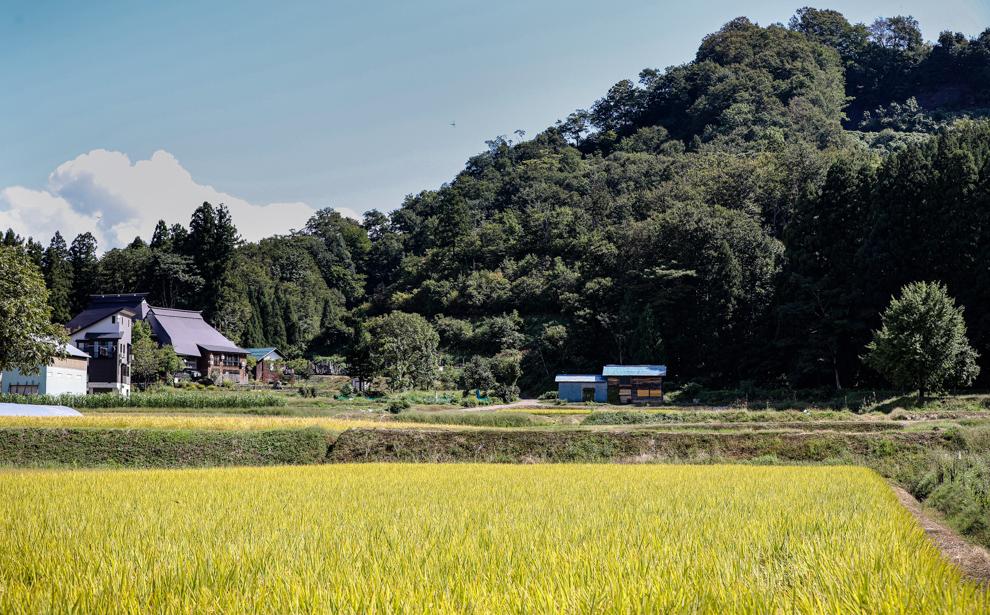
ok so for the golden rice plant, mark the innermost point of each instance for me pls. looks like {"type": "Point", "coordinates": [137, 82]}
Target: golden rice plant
{"type": "Point", "coordinates": [468, 539]}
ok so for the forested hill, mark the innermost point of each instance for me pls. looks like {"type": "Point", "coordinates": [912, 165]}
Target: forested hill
{"type": "Point", "coordinates": [742, 217]}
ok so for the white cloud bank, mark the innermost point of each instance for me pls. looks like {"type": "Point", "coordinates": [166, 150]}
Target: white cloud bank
{"type": "Point", "coordinates": [104, 193]}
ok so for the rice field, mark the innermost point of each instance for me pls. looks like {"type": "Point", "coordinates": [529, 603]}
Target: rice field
{"type": "Point", "coordinates": [468, 538]}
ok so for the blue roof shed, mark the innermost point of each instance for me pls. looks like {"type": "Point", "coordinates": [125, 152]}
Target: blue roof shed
{"type": "Point", "coordinates": [582, 387]}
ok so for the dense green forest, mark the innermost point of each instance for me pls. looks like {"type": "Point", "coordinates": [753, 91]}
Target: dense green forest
{"type": "Point", "coordinates": [744, 217]}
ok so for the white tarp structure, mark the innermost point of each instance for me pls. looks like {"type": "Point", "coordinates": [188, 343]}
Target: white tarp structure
{"type": "Point", "coordinates": [36, 410]}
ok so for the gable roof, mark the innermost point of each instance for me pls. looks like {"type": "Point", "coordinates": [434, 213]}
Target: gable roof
{"type": "Point", "coordinates": [71, 351]}
{"type": "Point", "coordinates": [187, 332]}
{"type": "Point", "coordinates": [634, 370]}
{"type": "Point", "coordinates": [93, 315]}
{"type": "Point", "coordinates": [261, 353]}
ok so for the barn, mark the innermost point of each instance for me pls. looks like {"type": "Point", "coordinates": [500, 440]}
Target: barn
{"type": "Point", "coordinates": [617, 384]}
{"type": "Point", "coordinates": [582, 387]}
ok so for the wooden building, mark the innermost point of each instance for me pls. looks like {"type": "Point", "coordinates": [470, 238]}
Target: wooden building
{"type": "Point", "coordinates": [635, 384]}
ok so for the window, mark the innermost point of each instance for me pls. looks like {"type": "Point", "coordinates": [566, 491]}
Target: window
{"type": "Point", "coordinates": [113, 319]}
{"type": "Point", "coordinates": [23, 389]}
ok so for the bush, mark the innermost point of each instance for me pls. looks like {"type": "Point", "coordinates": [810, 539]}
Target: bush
{"type": "Point", "coordinates": [549, 396]}
{"type": "Point", "coordinates": [307, 391]}
{"type": "Point", "coordinates": [396, 406]}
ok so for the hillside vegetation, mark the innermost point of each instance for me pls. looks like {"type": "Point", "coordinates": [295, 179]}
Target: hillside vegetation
{"type": "Point", "coordinates": [743, 218]}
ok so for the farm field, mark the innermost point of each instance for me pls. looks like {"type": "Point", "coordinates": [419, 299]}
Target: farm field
{"type": "Point", "coordinates": [469, 538]}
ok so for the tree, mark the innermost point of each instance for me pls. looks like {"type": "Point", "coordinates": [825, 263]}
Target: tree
{"type": "Point", "coordinates": [922, 341]}
{"type": "Point", "coordinates": [144, 353]}
{"type": "Point", "coordinates": [477, 374]}
{"type": "Point", "coordinates": [148, 361]}
{"type": "Point", "coordinates": [404, 349]}
{"type": "Point", "coordinates": [211, 244]}
{"type": "Point", "coordinates": [58, 278]}
{"type": "Point", "coordinates": [28, 338]}
{"type": "Point", "coordinates": [85, 270]}
{"type": "Point", "coordinates": [506, 367]}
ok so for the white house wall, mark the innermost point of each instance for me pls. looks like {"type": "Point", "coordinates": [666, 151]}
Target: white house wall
{"type": "Point", "coordinates": [50, 380]}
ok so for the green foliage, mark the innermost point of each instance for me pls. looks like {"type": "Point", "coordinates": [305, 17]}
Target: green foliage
{"type": "Point", "coordinates": [154, 399]}
{"type": "Point", "coordinates": [28, 339]}
{"type": "Point", "coordinates": [480, 419]}
{"type": "Point", "coordinates": [922, 343]}
{"type": "Point", "coordinates": [404, 349]}
{"type": "Point", "coordinates": [162, 447]}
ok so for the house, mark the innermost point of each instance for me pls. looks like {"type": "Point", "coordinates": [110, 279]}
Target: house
{"type": "Point", "coordinates": [203, 348]}
{"type": "Point", "coordinates": [66, 374]}
{"type": "Point", "coordinates": [264, 369]}
{"type": "Point", "coordinates": [103, 332]}
{"type": "Point", "coordinates": [582, 387]}
{"type": "Point", "coordinates": [617, 384]}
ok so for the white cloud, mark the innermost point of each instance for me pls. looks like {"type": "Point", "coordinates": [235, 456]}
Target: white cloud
{"type": "Point", "coordinates": [105, 193]}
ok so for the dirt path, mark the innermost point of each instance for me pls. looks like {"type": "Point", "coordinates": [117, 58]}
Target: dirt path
{"type": "Point", "coordinates": [973, 560]}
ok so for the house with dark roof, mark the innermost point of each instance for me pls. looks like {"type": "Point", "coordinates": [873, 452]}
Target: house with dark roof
{"type": "Point", "coordinates": [264, 369]}
{"type": "Point", "coordinates": [204, 349]}
{"type": "Point", "coordinates": [617, 384]}
{"type": "Point", "coordinates": [103, 332]}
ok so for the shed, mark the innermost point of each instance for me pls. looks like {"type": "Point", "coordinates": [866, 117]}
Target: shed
{"type": "Point", "coordinates": [582, 387]}
{"type": "Point", "coordinates": [66, 373]}
{"type": "Point", "coordinates": [636, 384]}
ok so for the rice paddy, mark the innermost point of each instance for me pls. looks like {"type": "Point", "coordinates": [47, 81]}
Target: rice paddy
{"type": "Point", "coordinates": [468, 538]}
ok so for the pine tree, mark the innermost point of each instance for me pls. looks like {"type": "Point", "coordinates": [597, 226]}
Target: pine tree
{"type": "Point", "coordinates": [85, 269]}
{"type": "Point", "coordinates": [58, 278]}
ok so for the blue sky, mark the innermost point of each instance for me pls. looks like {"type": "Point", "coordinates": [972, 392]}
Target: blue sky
{"type": "Point", "coordinates": [314, 104]}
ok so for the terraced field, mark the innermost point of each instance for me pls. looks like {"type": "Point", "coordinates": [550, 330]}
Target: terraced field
{"type": "Point", "coordinates": [468, 538]}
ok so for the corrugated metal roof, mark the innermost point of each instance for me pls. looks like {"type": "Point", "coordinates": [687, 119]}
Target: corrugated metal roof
{"type": "Point", "coordinates": [72, 351]}
{"type": "Point", "coordinates": [634, 370]}
{"type": "Point", "coordinates": [579, 378]}
{"type": "Point", "coordinates": [261, 353]}
{"type": "Point", "coordinates": [186, 331]}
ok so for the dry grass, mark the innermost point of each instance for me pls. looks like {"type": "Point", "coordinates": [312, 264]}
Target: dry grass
{"type": "Point", "coordinates": [468, 538]}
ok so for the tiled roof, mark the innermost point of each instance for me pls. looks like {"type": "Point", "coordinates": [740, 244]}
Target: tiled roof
{"type": "Point", "coordinates": [93, 315]}
{"type": "Point", "coordinates": [634, 370]}
{"type": "Point", "coordinates": [186, 331]}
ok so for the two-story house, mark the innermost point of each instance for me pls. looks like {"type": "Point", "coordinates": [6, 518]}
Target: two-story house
{"type": "Point", "coordinates": [103, 331]}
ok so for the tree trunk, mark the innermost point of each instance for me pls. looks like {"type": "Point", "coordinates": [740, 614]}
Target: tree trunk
{"type": "Point", "coordinates": [921, 396]}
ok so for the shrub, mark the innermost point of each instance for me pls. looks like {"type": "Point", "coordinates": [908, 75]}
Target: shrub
{"type": "Point", "coordinates": [548, 396]}
{"type": "Point", "coordinates": [396, 406]}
